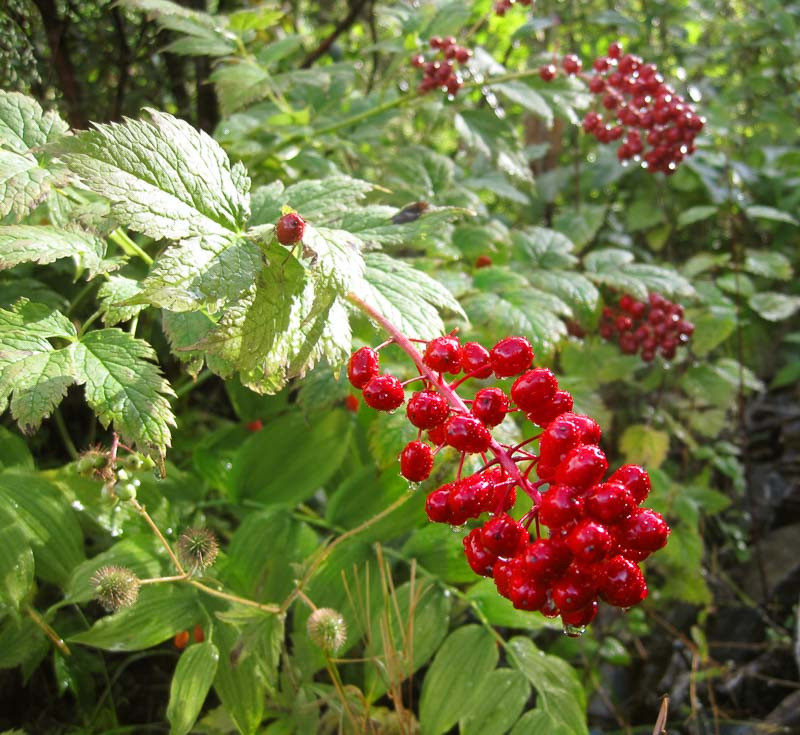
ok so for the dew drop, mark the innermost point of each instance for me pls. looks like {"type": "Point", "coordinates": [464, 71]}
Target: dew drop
{"type": "Point", "coordinates": [574, 631]}
{"type": "Point", "coordinates": [457, 529]}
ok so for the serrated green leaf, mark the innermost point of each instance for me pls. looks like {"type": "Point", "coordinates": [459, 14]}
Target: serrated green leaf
{"type": "Point", "coordinates": [336, 255]}
{"type": "Point", "coordinates": [112, 292]}
{"type": "Point", "coordinates": [769, 264]}
{"type": "Point", "coordinates": [124, 386]}
{"type": "Point", "coordinates": [289, 459]}
{"type": "Point", "coordinates": [191, 681]}
{"type": "Point", "coordinates": [560, 694]}
{"type": "Point", "coordinates": [581, 226]}
{"type": "Point", "coordinates": [163, 177]}
{"type": "Point", "coordinates": [186, 329]}
{"type": "Point", "coordinates": [375, 224]}
{"type": "Point", "coordinates": [539, 246]}
{"type": "Point", "coordinates": [461, 667]}
{"type": "Point", "coordinates": [24, 183]}
{"type": "Point", "coordinates": [24, 125]}
{"type": "Point", "coordinates": [16, 563]}
{"type": "Point", "coordinates": [695, 214]}
{"type": "Point", "coordinates": [317, 200]}
{"type": "Point", "coordinates": [49, 524]}
{"type": "Point", "coordinates": [43, 244]}
{"type": "Point", "coordinates": [573, 288]}
{"type": "Point", "coordinates": [160, 612]}
{"type": "Point", "coordinates": [206, 272]}
{"type": "Point", "coordinates": [774, 306]}
{"type": "Point", "coordinates": [407, 297]}
{"type": "Point", "coordinates": [760, 211]}
{"type": "Point", "coordinates": [527, 97]}
{"type": "Point", "coordinates": [644, 445]}
{"type": "Point", "coordinates": [485, 718]}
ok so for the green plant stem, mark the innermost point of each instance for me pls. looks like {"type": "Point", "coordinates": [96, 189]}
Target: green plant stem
{"type": "Point", "coordinates": [128, 246]}
{"type": "Point", "coordinates": [58, 642]}
{"type": "Point", "coordinates": [190, 384]}
{"type": "Point", "coordinates": [140, 509]}
{"type": "Point", "coordinates": [61, 426]}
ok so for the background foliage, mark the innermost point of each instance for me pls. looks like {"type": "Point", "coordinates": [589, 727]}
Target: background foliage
{"type": "Point", "coordinates": [133, 297]}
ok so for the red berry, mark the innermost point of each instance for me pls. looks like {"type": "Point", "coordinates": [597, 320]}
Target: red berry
{"type": "Point", "coordinates": [503, 536]}
{"type": "Point", "coordinates": [480, 559]}
{"type": "Point", "coordinates": [181, 640]}
{"type": "Point", "coordinates": [290, 228]}
{"type": "Point", "coordinates": [560, 506]}
{"type": "Point", "coordinates": [443, 355]}
{"type": "Point", "coordinates": [416, 461]}
{"type": "Point", "coordinates": [464, 502]}
{"type": "Point", "coordinates": [362, 367]}
{"type": "Point", "coordinates": [615, 50]}
{"type": "Point", "coordinates": [528, 594]}
{"type": "Point", "coordinates": [583, 466]}
{"type": "Point", "coordinates": [548, 72]}
{"type": "Point", "coordinates": [384, 393]}
{"type": "Point", "coordinates": [609, 502]}
{"type": "Point", "coordinates": [504, 572]}
{"type": "Point", "coordinates": [467, 434]}
{"type": "Point", "coordinates": [572, 592]}
{"type": "Point", "coordinates": [580, 618]}
{"type": "Point", "coordinates": [572, 64]}
{"type": "Point", "coordinates": [560, 436]}
{"type": "Point", "coordinates": [255, 425]}
{"type": "Point", "coordinates": [643, 530]}
{"type": "Point", "coordinates": [437, 435]}
{"type": "Point", "coordinates": [475, 359]}
{"type": "Point", "coordinates": [534, 388]}
{"type": "Point", "coordinates": [589, 541]}
{"type": "Point", "coordinates": [483, 261]}
{"type": "Point", "coordinates": [545, 559]}
{"type": "Point", "coordinates": [490, 406]}
{"type": "Point", "coordinates": [560, 403]}
{"type": "Point", "coordinates": [427, 409]}
{"type": "Point", "coordinates": [198, 634]}
{"type": "Point", "coordinates": [511, 356]}
{"type": "Point", "coordinates": [437, 505]}
{"type": "Point", "coordinates": [622, 584]}
{"type": "Point", "coordinates": [351, 403]}
{"type": "Point", "coordinates": [635, 479]}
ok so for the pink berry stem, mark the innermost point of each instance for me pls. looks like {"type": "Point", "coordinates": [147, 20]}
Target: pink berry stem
{"type": "Point", "coordinates": [405, 344]}
{"type": "Point", "coordinates": [463, 378]}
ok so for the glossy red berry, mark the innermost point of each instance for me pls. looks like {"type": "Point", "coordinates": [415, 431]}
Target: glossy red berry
{"type": "Point", "coordinates": [503, 536]}
{"type": "Point", "coordinates": [362, 367]}
{"type": "Point", "coordinates": [490, 405]}
{"type": "Point", "coordinates": [560, 403]}
{"type": "Point", "coordinates": [437, 435]}
{"type": "Point", "coordinates": [560, 505]}
{"type": "Point", "coordinates": [528, 594]}
{"type": "Point", "coordinates": [416, 461]}
{"type": "Point", "coordinates": [467, 434]}
{"type": "Point", "coordinates": [464, 502]}
{"type": "Point", "coordinates": [437, 505]}
{"type": "Point", "coordinates": [475, 359]}
{"type": "Point", "coordinates": [582, 617]}
{"type": "Point", "coordinates": [181, 640]}
{"type": "Point", "coordinates": [571, 593]}
{"type": "Point", "coordinates": [480, 559]}
{"type": "Point", "coordinates": [643, 530]}
{"type": "Point", "coordinates": [290, 228]}
{"type": "Point", "coordinates": [534, 388]}
{"type": "Point", "coordinates": [583, 466]}
{"type": "Point", "coordinates": [443, 355]}
{"type": "Point", "coordinates": [384, 393]}
{"type": "Point", "coordinates": [635, 479]}
{"type": "Point", "coordinates": [427, 409]}
{"type": "Point", "coordinates": [548, 72]}
{"type": "Point", "coordinates": [589, 541]}
{"type": "Point", "coordinates": [572, 64]}
{"type": "Point", "coordinates": [504, 573]}
{"type": "Point", "coordinates": [255, 425]}
{"type": "Point", "coordinates": [511, 356]}
{"type": "Point", "coordinates": [609, 502]}
{"type": "Point", "coordinates": [545, 559]}
{"type": "Point", "coordinates": [622, 583]}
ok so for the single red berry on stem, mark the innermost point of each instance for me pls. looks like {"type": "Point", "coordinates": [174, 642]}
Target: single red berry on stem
{"type": "Point", "coordinates": [534, 388]}
{"type": "Point", "coordinates": [548, 72]}
{"type": "Point", "coordinates": [427, 409]}
{"type": "Point", "coordinates": [527, 594]}
{"type": "Point", "coordinates": [634, 479]}
{"type": "Point", "coordinates": [437, 505]}
{"type": "Point", "coordinates": [443, 355]}
{"type": "Point", "coordinates": [572, 64]}
{"type": "Point", "coordinates": [490, 405]}
{"type": "Point", "coordinates": [467, 434]}
{"type": "Point", "coordinates": [589, 541]}
{"type": "Point", "coordinates": [384, 393]}
{"type": "Point", "coordinates": [560, 505]}
{"type": "Point", "coordinates": [622, 583]}
{"type": "Point", "coordinates": [543, 414]}
{"type": "Point", "coordinates": [643, 530]}
{"type": "Point", "coordinates": [609, 502]}
{"type": "Point", "coordinates": [503, 536]}
{"type": "Point", "coordinates": [511, 356]}
{"type": "Point", "coordinates": [583, 466]}
{"type": "Point", "coordinates": [480, 559]}
{"type": "Point", "coordinates": [475, 359]}
{"type": "Point", "coordinates": [362, 367]}
{"type": "Point", "coordinates": [416, 461]}
{"type": "Point", "coordinates": [290, 228]}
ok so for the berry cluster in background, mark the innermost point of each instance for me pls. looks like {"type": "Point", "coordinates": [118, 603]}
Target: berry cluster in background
{"type": "Point", "coordinates": [440, 71]}
{"type": "Point", "coordinates": [656, 326]}
{"type": "Point", "coordinates": [635, 105]}
{"type": "Point", "coordinates": [598, 533]}
{"type": "Point", "coordinates": [501, 6]}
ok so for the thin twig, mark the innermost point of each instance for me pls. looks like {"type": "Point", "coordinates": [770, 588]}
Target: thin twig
{"type": "Point", "coordinates": [661, 722]}
{"type": "Point", "coordinates": [340, 28]}
{"type": "Point", "coordinates": [58, 642]}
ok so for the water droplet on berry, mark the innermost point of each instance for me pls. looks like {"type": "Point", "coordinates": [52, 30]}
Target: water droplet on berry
{"type": "Point", "coordinates": [458, 529]}
{"type": "Point", "coordinates": [574, 631]}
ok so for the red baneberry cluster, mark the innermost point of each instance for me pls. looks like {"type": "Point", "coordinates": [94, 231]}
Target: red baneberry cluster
{"type": "Point", "coordinates": [657, 325]}
{"type": "Point", "coordinates": [656, 125]}
{"type": "Point", "coordinates": [597, 531]}
{"type": "Point", "coordinates": [440, 71]}
{"type": "Point", "coordinates": [501, 6]}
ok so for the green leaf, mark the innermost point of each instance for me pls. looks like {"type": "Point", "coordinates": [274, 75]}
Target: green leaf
{"type": "Point", "coordinates": [560, 694]}
{"type": "Point", "coordinates": [317, 200]}
{"type": "Point", "coordinates": [771, 213]}
{"type": "Point", "coordinates": [16, 563]}
{"type": "Point", "coordinates": [23, 183]}
{"type": "Point", "coordinates": [581, 226]}
{"type": "Point", "coordinates": [769, 264]}
{"type": "Point", "coordinates": [21, 642]}
{"type": "Point", "coordinates": [526, 97]}
{"type": "Point", "coordinates": [123, 386]}
{"type": "Point", "coordinates": [207, 272]}
{"type": "Point", "coordinates": [43, 244]}
{"type": "Point", "coordinates": [774, 306]}
{"type": "Point", "coordinates": [547, 249]}
{"type": "Point", "coordinates": [644, 445]}
{"type": "Point", "coordinates": [499, 610]}
{"type": "Point", "coordinates": [191, 681]}
{"type": "Point", "coordinates": [712, 327]}
{"type": "Point", "coordinates": [290, 458]}
{"type": "Point", "coordinates": [461, 668]}
{"type": "Point", "coordinates": [407, 297]}
{"type": "Point", "coordinates": [14, 451]}
{"type": "Point", "coordinates": [48, 522]}
{"type": "Point", "coordinates": [485, 718]}
{"type": "Point", "coordinates": [24, 125]}
{"type": "Point", "coordinates": [682, 557]}
{"type": "Point", "coordinates": [336, 255]}
{"type": "Point", "coordinates": [161, 611]}
{"type": "Point", "coordinates": [113, 291]}
{"type": "Point", "coordinates": [440, 552]}
{"type": "Point", "coordinates": [572, 287]}
{"type": "Point", "coordinates": [163, 177]}
{"type": "Point", "coordinates": [539, 722]}
{"type": "Point", "coordinates": [695, 214]}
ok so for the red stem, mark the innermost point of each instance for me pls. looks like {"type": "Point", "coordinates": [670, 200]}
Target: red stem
{"type": "Point", "coordinates": [446, 390]}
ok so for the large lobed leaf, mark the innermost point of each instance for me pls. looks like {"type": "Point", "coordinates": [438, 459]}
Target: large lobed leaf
{"type": "Point", "coordinates": [44, 244]}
